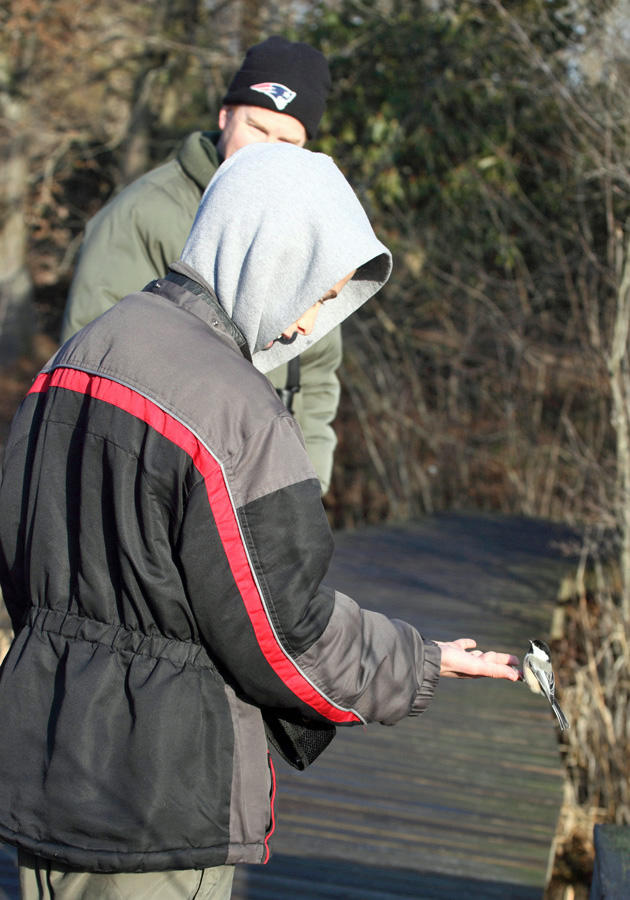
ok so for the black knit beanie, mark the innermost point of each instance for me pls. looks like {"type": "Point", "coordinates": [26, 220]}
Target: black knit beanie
{"type": "Point", "coordinates": [286, 77]}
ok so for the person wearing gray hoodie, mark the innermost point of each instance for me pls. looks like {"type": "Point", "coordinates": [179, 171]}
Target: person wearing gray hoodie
{"type": "Point", "coordinates": [163, 555]}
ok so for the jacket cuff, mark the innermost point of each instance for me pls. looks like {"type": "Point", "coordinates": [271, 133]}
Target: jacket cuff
{"type": "Point", "coordinates": [431, 672]}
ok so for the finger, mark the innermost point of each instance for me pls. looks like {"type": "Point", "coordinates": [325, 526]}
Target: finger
{"type": "Point", "coordinates": [465, 643]}
{"type": "Point", "coordinates": [507, 672]}
{"type": "Point", "coordinates": [503, 659]}
{"type": "Point", "coordinates": [489, 666]}
{"type": "Point", "coordinates": [509, 659]}
{"type": "Point", "coordinates": [459, 675]}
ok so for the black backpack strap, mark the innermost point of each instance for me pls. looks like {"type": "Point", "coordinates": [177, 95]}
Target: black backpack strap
{"type": "Point", "coordinates": [292, 386]}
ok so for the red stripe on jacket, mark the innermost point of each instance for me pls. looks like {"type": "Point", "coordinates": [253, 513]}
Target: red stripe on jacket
{"type": "Point", "coordinates": [146, 410]}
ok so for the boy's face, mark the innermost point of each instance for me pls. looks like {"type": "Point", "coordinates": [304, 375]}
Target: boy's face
{"type": "Point", "coordinates": [306, 322]}
{"type": "Point", "coordinates": [242, 125]}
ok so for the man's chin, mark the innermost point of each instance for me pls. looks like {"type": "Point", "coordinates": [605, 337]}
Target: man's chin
{"type": "Point", "coordinates": [281, 339]}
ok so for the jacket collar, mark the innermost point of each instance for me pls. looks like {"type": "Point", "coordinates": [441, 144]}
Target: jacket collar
{"type": "Point", "coordinates": [186, 277]}
{"type": "Point", "coordinates": [199, 158]}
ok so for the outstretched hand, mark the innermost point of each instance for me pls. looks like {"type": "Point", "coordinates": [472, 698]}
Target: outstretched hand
{"type": "Point", "coordinates": [460, 660]}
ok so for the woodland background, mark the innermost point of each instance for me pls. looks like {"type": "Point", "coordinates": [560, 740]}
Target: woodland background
{"type": "Point", "coordinates": [489, 143]}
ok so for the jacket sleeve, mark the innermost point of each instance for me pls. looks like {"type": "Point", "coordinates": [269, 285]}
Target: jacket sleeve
{"type": "Point", "coordinates": [130, 242]}
{"type": "Point", "coordinates": [315, 405]}
{"type": "Point", "coordinates": [287, 641]}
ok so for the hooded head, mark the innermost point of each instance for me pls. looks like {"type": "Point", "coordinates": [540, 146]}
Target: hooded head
{"type": "Point", "coordinates": [278, 226]}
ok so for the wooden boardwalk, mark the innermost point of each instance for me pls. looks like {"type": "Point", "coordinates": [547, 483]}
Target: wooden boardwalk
{"type": "Point", "coordinates": [461, 802]}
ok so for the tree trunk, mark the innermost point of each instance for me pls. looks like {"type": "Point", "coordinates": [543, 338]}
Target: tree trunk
{"type": "Point", "coordinates": [16, 311]}
{"type": "Point", "coordinates": [620, 390]}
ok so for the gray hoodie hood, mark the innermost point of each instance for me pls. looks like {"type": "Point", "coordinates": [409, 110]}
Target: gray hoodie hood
{"type": "Point", "coordinates": [278, 226]}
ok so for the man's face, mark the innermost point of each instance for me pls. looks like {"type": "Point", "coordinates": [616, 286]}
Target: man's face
{"type": "Point", "coordinates": [242, 125]}
{"type": "Point", "coordinates": [306, 322]}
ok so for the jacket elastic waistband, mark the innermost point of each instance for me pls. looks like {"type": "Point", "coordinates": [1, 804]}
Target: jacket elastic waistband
{"type": "Point", "coordinates": [118, 638]}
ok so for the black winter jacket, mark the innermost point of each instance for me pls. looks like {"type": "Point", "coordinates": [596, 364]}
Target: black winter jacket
{"type": "Point", "coordinates": [162, 550]}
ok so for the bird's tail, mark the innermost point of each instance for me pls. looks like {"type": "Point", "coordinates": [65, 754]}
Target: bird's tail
{"type": "Point", "coordinates": [563, 722]}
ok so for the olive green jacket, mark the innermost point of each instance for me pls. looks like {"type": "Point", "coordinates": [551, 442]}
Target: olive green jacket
{"type": "Point", "coordinates": [132, 240]}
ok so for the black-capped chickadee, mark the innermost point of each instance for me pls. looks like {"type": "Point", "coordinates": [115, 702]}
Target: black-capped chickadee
{"type": "Point", "coordinates": [538, 674]}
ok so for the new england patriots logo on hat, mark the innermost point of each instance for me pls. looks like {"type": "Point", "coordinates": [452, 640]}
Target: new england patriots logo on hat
{"type": "Point", "coordinates": [279, 93]}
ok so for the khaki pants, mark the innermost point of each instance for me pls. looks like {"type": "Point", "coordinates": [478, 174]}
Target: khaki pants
{"type": "Point", "coordinates": [41, 880]}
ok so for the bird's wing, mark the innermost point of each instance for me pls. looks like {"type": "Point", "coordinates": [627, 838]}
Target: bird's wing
{"type": "Point", "coordinates": [544, 673]}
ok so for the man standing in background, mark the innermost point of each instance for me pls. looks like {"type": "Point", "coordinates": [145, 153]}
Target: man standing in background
{"type": "Point", "coordinates": [277, 96]}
